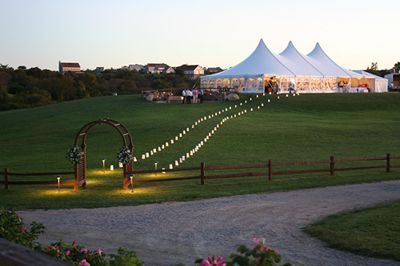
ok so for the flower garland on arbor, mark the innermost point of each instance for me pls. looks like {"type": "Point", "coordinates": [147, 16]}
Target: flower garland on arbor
{"type": "Point", "coordinates": [125, 155]}
{"type": "Point", "coordinates": [75, 154]}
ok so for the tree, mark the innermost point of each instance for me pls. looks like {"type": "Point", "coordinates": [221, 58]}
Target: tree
{"type": "Point", "coordinates": [3, 95]}
{"type": "Point", "coordinates": [373, 67]}
{"type": "Point", "coordinates": [397, 67]}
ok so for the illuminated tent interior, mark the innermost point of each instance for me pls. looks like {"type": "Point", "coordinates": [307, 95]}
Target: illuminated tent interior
{"type": "Point", "coordinates": [315, 72]}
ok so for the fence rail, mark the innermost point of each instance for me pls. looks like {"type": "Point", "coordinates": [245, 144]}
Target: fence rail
{"type": "Point", "coordinates": [271, 169]}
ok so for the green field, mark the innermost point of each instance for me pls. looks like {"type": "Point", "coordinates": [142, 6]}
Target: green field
{"type": "Point", "coordinates": [370, 232]}
{"type": "Point", "coordinates": [296, 128]}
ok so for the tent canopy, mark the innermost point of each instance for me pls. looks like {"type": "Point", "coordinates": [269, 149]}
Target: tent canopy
{"type": "Point", "coordinates": [261, 62]}
{"type": "Point", "coordinates": [297, 63]}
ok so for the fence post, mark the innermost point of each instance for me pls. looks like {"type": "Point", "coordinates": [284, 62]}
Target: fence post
{"type": "Point", "coordinates": [332, 165]}
{"type": "Point", "coordinates": [202, 173]}
{"type": "Point", "coordinates": [388, 162]}
{"type": "Point", "coordinates": [6, 178]}
{"type": "Point", "coordinates": [269, 170]}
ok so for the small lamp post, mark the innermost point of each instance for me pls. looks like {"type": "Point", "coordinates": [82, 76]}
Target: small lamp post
{"type": "Point", "coordinates": [58, 183]}
{"type": "Point", "coordinates": [155, 165]}
{"type": "Point", "coordinates": [131, 180]}
{"type": "Point", "coordinates": [104, 165]}
{"type": "Point", "coordinates": [111, 167]}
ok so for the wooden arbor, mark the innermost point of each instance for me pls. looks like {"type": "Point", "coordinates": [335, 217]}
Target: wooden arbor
{"type": "Point", "coordinates": [80, 141]}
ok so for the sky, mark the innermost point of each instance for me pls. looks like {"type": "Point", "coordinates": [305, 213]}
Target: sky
{"type": "Point", "coordinates": [39, 33]}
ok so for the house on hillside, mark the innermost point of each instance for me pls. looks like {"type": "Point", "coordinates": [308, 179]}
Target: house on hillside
{"type": "Point", "coordinates": [192, 71]}
{"type": "Point", "coordinates": [64, 67]}
{"type": "Point", "coordinates": [135, 67]}
{"type": "Point", "coordinates": [156, 68]}
{"type": "Point", "coordinates": [170, 70]}
{"type": "Point", "coordinates": [214, 70]}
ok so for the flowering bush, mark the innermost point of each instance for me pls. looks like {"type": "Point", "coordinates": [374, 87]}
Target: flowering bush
{"type": "Point", "coordinates": [13, 229]}
{"type": "Point", "coordinates": [259, 255]}
{"type": "Point", "coordinates": [81, 256]}
{"type": "Point", "coordinates": [75, 254]}
{"type": "Point", "coordinates": [125, 155]}
{"type": "Point", "coordinates": [75, 154]}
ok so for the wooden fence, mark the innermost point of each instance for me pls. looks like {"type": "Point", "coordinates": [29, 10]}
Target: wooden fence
{"type": "Point", "coordinates": [269, 169]}
{"type": "Point", "coordinates": [7, 182]}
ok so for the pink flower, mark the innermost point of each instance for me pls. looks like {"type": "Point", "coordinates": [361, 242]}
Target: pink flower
{"type": "Point", "coordinates": [84, 263]}
{"type": "Point", "coordinates": [84, 250]}
{"type": "Point", "coordinates": [68, 253]}
{"type": "Point", "coordinates": [23, 229]}
{"type": "Point", "coordinates": [74, 243]}
{"type": "Point", "coordinates": [212, 261]}
{"type": "Point", "coordinates": [205, 262]}
{"type": "Point", "coordinates": [99, 251]}
{"type": "Point", "coordinates": [259, 241]}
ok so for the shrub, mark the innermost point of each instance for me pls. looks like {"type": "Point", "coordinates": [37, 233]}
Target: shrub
{"type": "Point", "coordinates": [259, 255]}
{"type": "Point", "coordinates": [13, 229]}
{"type": "Point", "coordinates": [125, 258]}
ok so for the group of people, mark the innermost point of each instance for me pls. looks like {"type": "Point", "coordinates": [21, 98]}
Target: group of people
{"type": "Point", "coordinates": [272, 85]}
{"type": "Point", "coordinates": [192, 96]}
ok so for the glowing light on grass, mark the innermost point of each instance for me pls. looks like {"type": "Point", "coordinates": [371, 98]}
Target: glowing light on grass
{"type": "Point", "coordinates": [111, 167]}
{"type": "Point", "coordinates": [53, 192]}
{"type": "Point", "coordinates": [155, 165]}
{"type": "Point", "coordinates": [104, 164]}
{"type": "Point", "coordinates": [120, 165]}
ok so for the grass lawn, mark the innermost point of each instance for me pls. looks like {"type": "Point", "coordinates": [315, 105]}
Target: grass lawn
{"type": "Point", "coordinates": [297, 128]}
{"type": "Point", "coordinates": [371, 232]}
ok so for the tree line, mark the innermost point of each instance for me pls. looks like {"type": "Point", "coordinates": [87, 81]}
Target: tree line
{"type": "Point", "coordinates": [23, 87]}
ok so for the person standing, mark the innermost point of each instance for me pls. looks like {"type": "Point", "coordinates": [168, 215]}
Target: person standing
{"type": "Point", "coordinates": [201, 95]}
{"type": "Point", "coordinates": [183, 96]}
{"type": "Point", "coordinates": [189, 96]}
{"type": "Point", "coordinates": [195, 95]}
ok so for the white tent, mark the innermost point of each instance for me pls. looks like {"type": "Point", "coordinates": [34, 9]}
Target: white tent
{"type": "Point", "coordinates": [315, 72]}
{"type": "Point", "coordinates": [379, 84]}
{"type": "Point", "coordinates": [249, 75]}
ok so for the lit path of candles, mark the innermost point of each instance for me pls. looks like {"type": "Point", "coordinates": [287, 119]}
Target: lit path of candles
{"type": "Point", "coordinates": [210, 134]}
{"type": "Point", "coordinates": [186, 131]}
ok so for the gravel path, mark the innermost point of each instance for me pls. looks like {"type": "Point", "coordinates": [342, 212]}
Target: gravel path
{"type": "Point", "coordinates": [163, 234]}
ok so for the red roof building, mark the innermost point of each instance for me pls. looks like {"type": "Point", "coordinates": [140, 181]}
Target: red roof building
{"type": "Point", "coordinates": [68, 67]}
